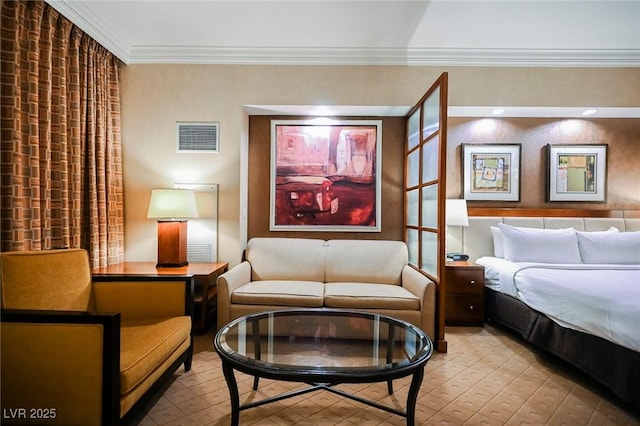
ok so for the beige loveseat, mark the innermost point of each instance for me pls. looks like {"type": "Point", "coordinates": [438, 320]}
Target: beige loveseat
{"type": "Point", "coordinates": [369, 275]}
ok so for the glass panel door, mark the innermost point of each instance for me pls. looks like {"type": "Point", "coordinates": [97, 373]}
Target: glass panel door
{"type": "Point", "coordinates": [425, 174]}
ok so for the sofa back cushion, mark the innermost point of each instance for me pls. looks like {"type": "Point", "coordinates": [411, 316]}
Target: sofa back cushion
{"type": "Point", "coordinates": [286, 259]}
{"type": "Point", "coordinates": [365, 261]}
{"type": "Point", "coordinates": [57, 280]}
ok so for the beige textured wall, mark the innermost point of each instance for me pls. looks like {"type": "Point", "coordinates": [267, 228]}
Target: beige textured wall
{"type": "Point", "coordinates": [154, 97]}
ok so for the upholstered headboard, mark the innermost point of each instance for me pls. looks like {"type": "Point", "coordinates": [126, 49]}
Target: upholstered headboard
{"type": "Point", "coordinates": [476, 239]}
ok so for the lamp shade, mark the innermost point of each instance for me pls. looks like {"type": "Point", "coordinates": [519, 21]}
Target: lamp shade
{"type": "Point", "coordinates": [457, 213]}
{"type": "Point", "coordinates": [170, 204]}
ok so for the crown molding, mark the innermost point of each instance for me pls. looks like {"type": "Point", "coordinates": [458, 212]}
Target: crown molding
{"type": "Point", "coordinates": [95, 27]}
{"type": "Point", "coordinates": [384, 56]}
{"type": "Point", "coordinates": [267, 55]}
{"type": "Point", "coordinates": [525, 57]}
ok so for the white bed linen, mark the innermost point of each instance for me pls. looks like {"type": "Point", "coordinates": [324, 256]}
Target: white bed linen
{"type": "Point", "coordinates": [603, 300]}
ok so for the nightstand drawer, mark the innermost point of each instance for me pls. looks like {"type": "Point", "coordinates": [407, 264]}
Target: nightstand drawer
{"type": "Point", "coordinates": [464, 309]}
{"type": "Point", "coordinates": [465, 280]}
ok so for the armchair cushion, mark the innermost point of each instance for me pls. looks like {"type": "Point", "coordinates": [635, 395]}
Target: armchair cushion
{"type": "Point", "coordinates": [146, 344]}
{"type": "Point", "coordinates": [68, 269]}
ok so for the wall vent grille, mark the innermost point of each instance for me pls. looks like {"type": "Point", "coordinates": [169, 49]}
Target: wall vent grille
{"type": "Point", "coordinates": [200, 253]}
{"type": "Point", "coordinates": [198, 137]}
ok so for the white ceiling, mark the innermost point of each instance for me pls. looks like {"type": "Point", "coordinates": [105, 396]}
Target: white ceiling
{"type": "Point", "coordinates": [585, 33]}
{"type": "Point", "coordinates": [397, 32]}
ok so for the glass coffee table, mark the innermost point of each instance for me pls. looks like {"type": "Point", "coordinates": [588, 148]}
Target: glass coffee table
{"type": "Point", "coordinates": [323, 348]}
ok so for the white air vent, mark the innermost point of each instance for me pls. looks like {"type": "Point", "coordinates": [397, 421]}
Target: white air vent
{"type": "Point", "coordinates": [200, 252]}
{"type": "Point", "coordinates": [198, 137]}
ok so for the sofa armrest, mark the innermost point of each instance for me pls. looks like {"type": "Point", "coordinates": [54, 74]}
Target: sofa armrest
{"type": "Point", "coordinates": [63, 365]}
{"type": "Point", "coordinates": [425, 290]}
{"type": "Point", "coordinates": [415, 282]}
{"type": "Point", "coordinates": [227, 283]}
{"type": "Point", "coordinates": [144, 297]}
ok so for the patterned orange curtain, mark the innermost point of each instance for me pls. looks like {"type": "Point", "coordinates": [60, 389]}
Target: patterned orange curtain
{"type": "Point", "coordinates": [61, 157]}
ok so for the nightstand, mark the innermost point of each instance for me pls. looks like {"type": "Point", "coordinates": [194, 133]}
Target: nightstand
{"type": "Point", "coordinates": [464, 299]}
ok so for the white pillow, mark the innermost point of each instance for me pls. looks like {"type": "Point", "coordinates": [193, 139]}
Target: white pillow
{"type": "Point", "coordinates": [498, 245]}
{"type": "Point", "coordinates": [540, 245]}
{"type": "Point", "coordinates": [612, 229]}
{"type": "Point", "coordinates": [609, 247]}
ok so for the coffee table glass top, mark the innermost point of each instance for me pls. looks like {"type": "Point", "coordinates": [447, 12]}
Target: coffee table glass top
{"type": "Point", "coordinates": [321, 342]}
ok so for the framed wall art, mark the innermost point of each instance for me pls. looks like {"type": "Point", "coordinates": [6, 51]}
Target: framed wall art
{"type": "Point", "coordinates": [491, 172]}
{"type": "Point", "coordinates": [577, 173]}
{"type": "Point", "coordinates": [326, 176]}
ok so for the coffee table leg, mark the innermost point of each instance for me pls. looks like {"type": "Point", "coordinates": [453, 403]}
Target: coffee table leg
{"type": "Point", "coordinates": [416, 381]}
{"type": "Point", "coordinates": [256, 347]}
{"type": "Point", "coordinates": [233, 393]}
{"type": "Point", "coordinates": [390, 342]}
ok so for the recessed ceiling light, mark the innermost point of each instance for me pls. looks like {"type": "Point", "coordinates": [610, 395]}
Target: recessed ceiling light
{"type": "Point", "coordinates": [497, 111]}
{"type": "Point", "coordinates": [319, 121]}
{"type": "Point", "coordinates": [589, 111]}
{"type": "Point", "coordinates": [322, 111]}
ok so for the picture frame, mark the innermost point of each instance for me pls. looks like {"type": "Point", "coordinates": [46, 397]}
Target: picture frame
{"type": "Point", "coordinates": [577, 173]}
{"type": "Point", "coordinates": [491, 172]}
{"type": "Point", "coordinates": [326, 175]}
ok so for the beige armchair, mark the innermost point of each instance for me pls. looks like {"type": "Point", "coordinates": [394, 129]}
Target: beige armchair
{"type": "Point", "coordinates": [77, 352]}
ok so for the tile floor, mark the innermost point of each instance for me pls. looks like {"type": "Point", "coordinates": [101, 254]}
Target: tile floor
{"type": "Point", "coordinates": [488, 377]}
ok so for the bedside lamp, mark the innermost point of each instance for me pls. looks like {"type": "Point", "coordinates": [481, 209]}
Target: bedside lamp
{"type": "Point", "coordinates": [456, 215]}
{"type": "Point", "coordinates": [172, 208]}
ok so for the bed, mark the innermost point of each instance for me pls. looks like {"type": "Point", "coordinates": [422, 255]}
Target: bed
{"type": "Point", "coordinates": [568, 285]}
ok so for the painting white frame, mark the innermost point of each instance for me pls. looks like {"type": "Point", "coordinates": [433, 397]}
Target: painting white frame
{"type": "Point", "coordinates": [557, 173]}
{"type": "Point", "coordinates": [276, 223]}
{"type": "Point", "coordinates": [472, 156]}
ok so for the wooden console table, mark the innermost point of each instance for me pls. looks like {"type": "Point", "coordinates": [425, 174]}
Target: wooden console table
{"type": "Point", "coordinates": [204, 275]}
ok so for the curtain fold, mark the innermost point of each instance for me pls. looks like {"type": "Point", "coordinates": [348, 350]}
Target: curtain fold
{"type": "Point", "coordinates": [61, 178]}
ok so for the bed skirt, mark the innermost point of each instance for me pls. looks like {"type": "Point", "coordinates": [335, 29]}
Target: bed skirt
{"type": "Point", "coordinates": [617, 368]}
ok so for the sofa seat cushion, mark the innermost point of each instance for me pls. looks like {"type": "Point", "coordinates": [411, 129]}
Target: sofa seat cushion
{"type": "Point", "coordinates": [280, 293]}
{"type": "Point", "coordinates": [367, 295]}
{"type": "Point", "coordinates": [145, 345]}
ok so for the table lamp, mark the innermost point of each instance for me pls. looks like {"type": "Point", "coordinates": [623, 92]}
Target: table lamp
{"type": "Point", "coordinates": [172, 208]}
{"type": "Point", "coordinates": [456, 215]}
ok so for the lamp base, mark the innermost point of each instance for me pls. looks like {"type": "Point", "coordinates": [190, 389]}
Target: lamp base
{"type": "Point", "coordinates": [172, 243]}
{"type": "Point", "coordinates": [171, 265]}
